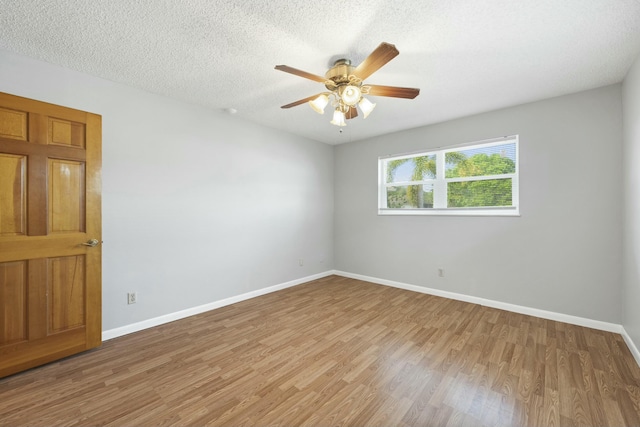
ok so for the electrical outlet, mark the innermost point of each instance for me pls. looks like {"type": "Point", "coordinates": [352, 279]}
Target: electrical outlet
{"type": "Point", "coordinates": [132, 297]}
{"type": "Point", "coordinates": [441, 272]}
{"type": "Point", "coordinates": [301, 262]}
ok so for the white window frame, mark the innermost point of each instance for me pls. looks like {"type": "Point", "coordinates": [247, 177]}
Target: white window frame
{"type": "Point", "coordinates": [440, 183]}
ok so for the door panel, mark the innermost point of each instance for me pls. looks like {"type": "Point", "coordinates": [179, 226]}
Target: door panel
{"type": "Point", "coordinates": [66, 196]}
{"type": "Point", "coordinates": [13, 214]}
{"type": "Point", "coordinates": [63, 132]}
{"type": "Point", "coordinates": [13, 302]}
{"type": "Point", "coordinates": [50, 204]}
{"type": "Point", "coordinates": [66, 293]}
{"type": "Point", "coordinates": [13, 124]}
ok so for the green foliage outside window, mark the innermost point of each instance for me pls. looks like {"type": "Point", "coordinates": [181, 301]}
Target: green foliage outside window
{"type": "Point", "coordinates": [481, 193]}
{"type": "Point", "coordinates": [491, 192]}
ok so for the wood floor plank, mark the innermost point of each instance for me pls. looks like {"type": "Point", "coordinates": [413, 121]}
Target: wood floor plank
{"type": "Point", "coordinates": [339, 351]}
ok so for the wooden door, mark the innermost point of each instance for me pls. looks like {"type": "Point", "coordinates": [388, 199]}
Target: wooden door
{"type": "Point", "coordinates": [50, 206]}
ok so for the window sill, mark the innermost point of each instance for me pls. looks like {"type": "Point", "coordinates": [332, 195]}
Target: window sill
{"type": "Point", "coordinates": [453, 212]}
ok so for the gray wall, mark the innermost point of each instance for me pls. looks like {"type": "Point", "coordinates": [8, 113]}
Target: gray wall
{"type": "Point", "coordinates": [631, 150]}
{"type": "Point", "coordinates": [563, 254]}
{"type": "Point", "coordinates": [198, 206]}
{"type": "Point", "coordinates": [201, 206]}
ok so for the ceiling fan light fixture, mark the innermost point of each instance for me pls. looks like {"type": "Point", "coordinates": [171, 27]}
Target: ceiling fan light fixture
{"type": "Point", "coordinates": [338, 118]}
{"type": "Point", "coordinates": [350, 94]}
{"type": "Point", "coordinates": [366, 106]}
{"type": "Point", "coordinates": [319, 103]}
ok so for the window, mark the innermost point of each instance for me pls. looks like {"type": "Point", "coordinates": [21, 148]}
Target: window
{"type": "Point", "coordinates": [472, 179]}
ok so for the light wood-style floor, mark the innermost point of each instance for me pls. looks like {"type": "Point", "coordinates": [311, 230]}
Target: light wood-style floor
{"type": "Point", "coordinates": [339, 351]}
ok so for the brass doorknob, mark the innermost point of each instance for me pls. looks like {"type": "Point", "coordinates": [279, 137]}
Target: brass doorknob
{"type": "Point", "coordinates": [91, 243]}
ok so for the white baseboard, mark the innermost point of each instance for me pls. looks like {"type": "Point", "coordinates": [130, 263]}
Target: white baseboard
{"type": "Point", "coordinates": [156, 321]}
{"type": "Point", "coordinates": [566, 318]}
{"type": "Point", "coordinates": [632, 346]}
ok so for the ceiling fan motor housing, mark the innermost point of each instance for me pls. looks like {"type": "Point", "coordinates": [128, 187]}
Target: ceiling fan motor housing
{"type": "Point", "coordinates": [339, 74]}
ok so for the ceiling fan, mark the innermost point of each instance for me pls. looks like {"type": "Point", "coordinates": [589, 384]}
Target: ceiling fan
{"type": "Point", "coordinates": [346, 86]}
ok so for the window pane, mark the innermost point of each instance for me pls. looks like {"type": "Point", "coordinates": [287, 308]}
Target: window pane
{"type": "Point", "coordinates": [410, 196]}
{"type": "Point", "coordinates": [493, 160]}
{"type": "Point", "coordinates": [485, 193]}
{"type": "Point", "coordinates": [411, 169]}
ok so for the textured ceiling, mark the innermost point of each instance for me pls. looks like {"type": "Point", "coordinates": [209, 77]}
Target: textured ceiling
{"type": "Point", "coordinates": [466, 56]}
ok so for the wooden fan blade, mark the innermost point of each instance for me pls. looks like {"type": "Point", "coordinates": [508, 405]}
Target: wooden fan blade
{"type": "Point", "coordinates": [301, 101]}
{"type": "Point", "coordinates": [300, 73]}
{"type": "Point", "coordinates": [379, 57]}
{"type": "Point", "coordinates": [393, 91]}
{"type": "Point", "coordinates": [351, 114]}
